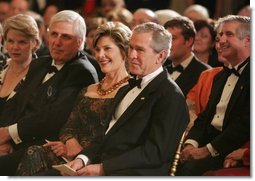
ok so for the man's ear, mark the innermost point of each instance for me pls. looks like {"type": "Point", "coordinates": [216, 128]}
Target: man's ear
{"type": "Point", "coordinates": [161, 57]}
{"type": "Point", "coordinates": [247, 41]}
{"type": "Point", "coordinates": [79, 42]}
{"type": "Point", "coordinates": [190, 41]}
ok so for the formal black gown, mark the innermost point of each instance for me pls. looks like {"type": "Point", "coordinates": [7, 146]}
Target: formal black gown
{"type": "Point", "coordinates": [4, 64]}
{"type": "Point", "coordinates": [86, 123]}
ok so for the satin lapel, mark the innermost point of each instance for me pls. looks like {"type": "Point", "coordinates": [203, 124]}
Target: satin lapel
{"type": "Point", "coordinates": [59, 75]}
{"type": "Point", "coordinates": [187, 73]}
{"type": "Point", "coordinates": [55, 79]}
{"type": "Point", "coordinates": [118, 97]}
{"type": "Point", "coordinates": [216, 91]}
{"type": "Point", "coordinates": [53, 85]}
{"type": "Point", "coordinates": [39, 75]}
{"type": "Point", "coordinates": [244, 80]}
{"type": "Point", "coordinates": [190, 74]}
{"type": "Point", "coordinates": [35, 80]}
{"type": "Point", "coordinates": [141, 99]}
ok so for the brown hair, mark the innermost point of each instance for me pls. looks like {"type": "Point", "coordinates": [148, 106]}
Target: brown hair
{"type": "Point", "coordinates": [119, 32]}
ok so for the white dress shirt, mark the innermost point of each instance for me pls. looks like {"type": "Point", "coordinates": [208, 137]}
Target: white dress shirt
{"type": "Point", "coordinates": [49, 75]}
{"type": "Point", "coordinates": [221, 107]}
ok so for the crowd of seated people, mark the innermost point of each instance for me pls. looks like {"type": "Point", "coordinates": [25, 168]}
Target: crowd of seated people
{"type": "Point", "coordinates": [49, 65]}
{"type": "Point", "coordinates": [223, 126]}
{"type": "Point", "coordinates": [44, 101]}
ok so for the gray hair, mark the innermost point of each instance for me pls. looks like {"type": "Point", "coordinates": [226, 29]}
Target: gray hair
{"type": "Point", "coordinates": [201, 10]}
{"type": "Point", "coordinates": [24, 24]}
{"type": "Point", "coordinates": [78, 22]}
{"type": "Point", "coordinates": [244, 28]}
{"type": "Point", "coordinates": [161, 38]}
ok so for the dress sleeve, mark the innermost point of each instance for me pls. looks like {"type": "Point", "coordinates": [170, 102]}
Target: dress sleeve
{"type": "Point", "coordinates": [71, 127]}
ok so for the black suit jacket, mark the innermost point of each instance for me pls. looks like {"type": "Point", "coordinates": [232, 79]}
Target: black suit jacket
{"type": "Point", "coordinates": [144, 139]}
{"type": "Point", "coordinates": [236, 123]}
{"type": "Point", "coordinates": [190, 75]}
{"type": "Point", "coordinates": [40, 109]}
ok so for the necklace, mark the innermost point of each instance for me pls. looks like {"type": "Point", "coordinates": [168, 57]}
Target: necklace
{"type": "Point", "coordinates": [103, 92]}
{"type": "Point", "coordinates": [18, 73]}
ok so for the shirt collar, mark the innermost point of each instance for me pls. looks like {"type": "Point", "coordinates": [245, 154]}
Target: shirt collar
{"type": "Point", "coordinates": [186, 62]}
{"type": "Point", "coordinates": [236, 67]}
{"type": "Point", "coordinates": [146, 79]}
{"type": "Point", "coordinates": [57, 66]}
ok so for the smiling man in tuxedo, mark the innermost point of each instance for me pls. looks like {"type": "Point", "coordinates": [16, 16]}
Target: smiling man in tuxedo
{"type": "Point", "coordinates": [224, 125]}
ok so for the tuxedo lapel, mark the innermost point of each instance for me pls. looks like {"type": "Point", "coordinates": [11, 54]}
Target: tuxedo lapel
{"type": "Point", "coordinates": [136, 104]}
{"type": "Point", "coordinates": [187, 73]}
{"type": "Point", "coordinates": [33, 81]}
{"type": "Point", "coordinates": [140, 100]}
{"type": "Point", "coordinates": [217, 89]}
{"type": "Point", "coordinates": [41, 74]}
{"type": "Point", "coordinates": [188, 78]}
{"type": "Point", "coordinates": [54, 83]}
{"type": "Point", "coordinates": [118, 97]}
{"type": "Point", "coordinates": [243, 82]}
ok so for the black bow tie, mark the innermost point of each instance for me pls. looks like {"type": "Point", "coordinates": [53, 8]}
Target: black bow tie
{"type": "Point", "coordinates": [177, 68]}
{"type": "Point", "coordinates": [134, 82]}
{"type": "Point", "coordinates": [235, 71]}
{"type": "Point", "coordinates": [232, 71]}
{"type": "Point", "coordinates": [52, 69]}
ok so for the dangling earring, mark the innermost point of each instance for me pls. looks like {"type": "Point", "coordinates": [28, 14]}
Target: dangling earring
{"type": "Point", "coordinates": [34, 55]}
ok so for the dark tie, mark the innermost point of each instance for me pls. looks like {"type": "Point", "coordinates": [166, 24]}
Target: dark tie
{"type": "Point", "coordinates": [52, 69]}
{"type": "Point", "coordinates": [231, 71]}
{"type": "Point", "coordinates": [134, 82]}
{"type": "Point", "coordinates": [172, 69]}
{"type": "Point", "coordinates": [235, 71]}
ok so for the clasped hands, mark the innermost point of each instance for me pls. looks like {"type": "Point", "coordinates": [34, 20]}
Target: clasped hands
{"type": "Point", "coordinates": [89, 170]}
{"type": "Point", "coordinates": [190, 152]}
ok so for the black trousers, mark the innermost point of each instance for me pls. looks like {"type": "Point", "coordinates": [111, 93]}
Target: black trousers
{"type": "Point", "coordinates": [9, 163]}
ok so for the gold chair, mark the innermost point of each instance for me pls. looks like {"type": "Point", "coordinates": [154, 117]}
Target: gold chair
{"type": "Point", "coordinates": [177, 155]}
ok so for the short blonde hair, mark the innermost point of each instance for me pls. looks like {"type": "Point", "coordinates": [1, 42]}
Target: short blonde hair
{"type": "Point", "coordinates": [24, 24]}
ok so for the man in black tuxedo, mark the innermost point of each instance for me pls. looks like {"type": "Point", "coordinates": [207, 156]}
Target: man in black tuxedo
{"type": "Point", "coordinates": [183, 67]}
{"type": "Point", "coordinates": [148, 116]}
{"type": "Point", "coordinates": [43, 105]}
{"type": "Point", "coordinates": [224, 126]}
